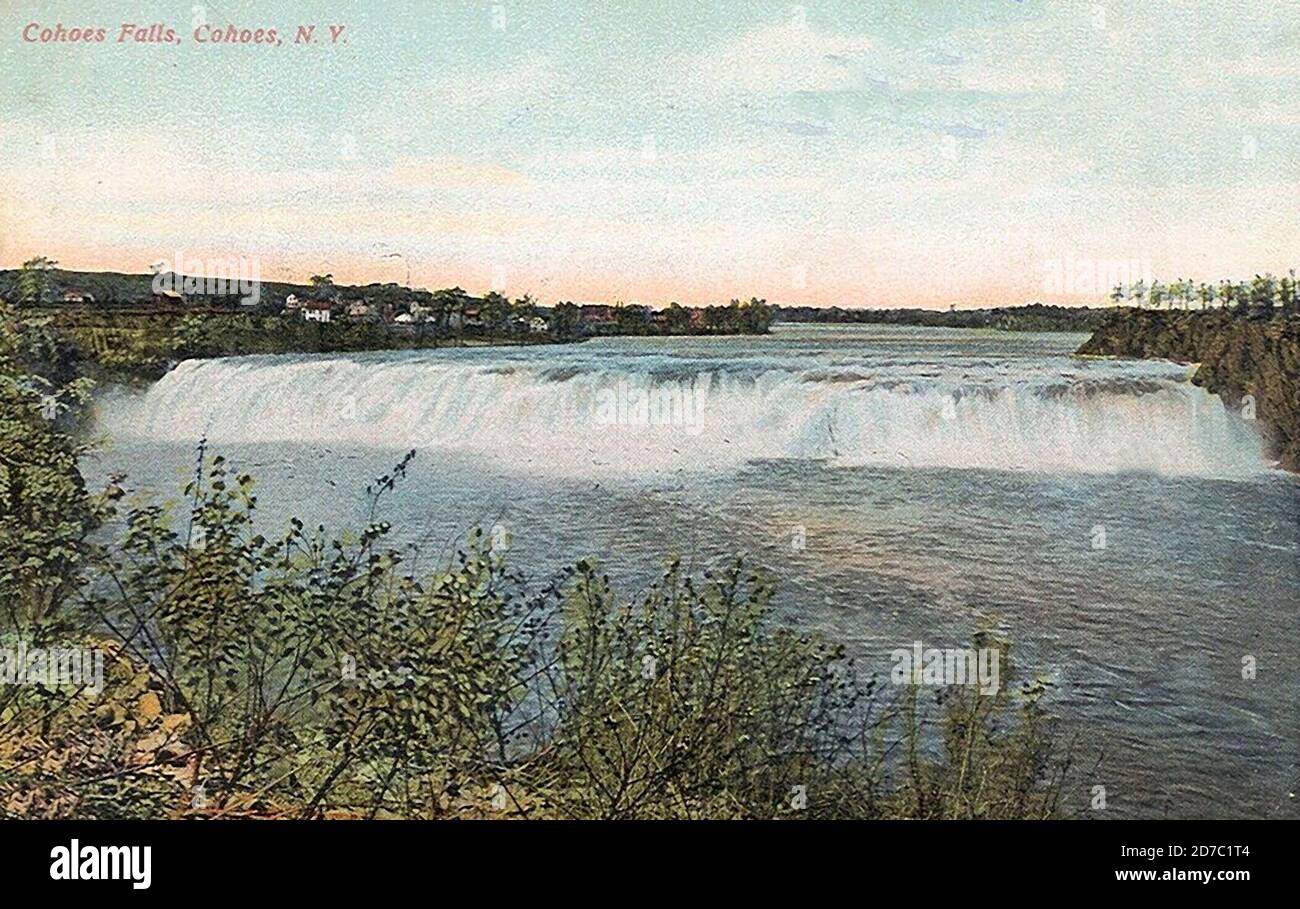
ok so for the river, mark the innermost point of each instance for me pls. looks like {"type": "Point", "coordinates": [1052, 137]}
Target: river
{"type": "Point", "coordinates": [902, 484]}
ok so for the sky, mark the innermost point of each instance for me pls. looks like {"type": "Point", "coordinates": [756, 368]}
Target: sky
{"type": "Point", "coordinates": [920, 153]}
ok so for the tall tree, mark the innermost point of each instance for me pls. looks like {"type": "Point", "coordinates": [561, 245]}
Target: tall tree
{"type": "Point", "coordinates": [1261, 295]}
{"type": "Point", "coordinates": [34, 280]}
{"type": "Point", "coordinates": [1138, 292]}
{"type": "Point", "coordinates": [323, 287]}
{"type": "Point", "coordinates": [1158, 294]}
{"type": "Point", "coordinates": [524, 308]}
{"type": "Point", "coordinates": [495, 310]}
{"type": "Point", "coordinates": [1205, 293]}
{"type": "Point", "coordinates": [1227, 294]}
{"type": "Point", "coordinates": [1286, 291]}
{"type": "Point", "coordinates": [566, 319]}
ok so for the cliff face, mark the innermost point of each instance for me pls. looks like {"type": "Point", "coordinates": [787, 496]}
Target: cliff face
{"type": "Point", "coordinates": [1238, 356]}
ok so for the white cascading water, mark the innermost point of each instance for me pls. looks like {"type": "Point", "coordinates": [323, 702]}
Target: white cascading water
{"type": "Point", "coordinates": [659, 413]}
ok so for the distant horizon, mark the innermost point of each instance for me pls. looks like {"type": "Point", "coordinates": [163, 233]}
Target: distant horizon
{"type": "Point", "coordinates": [306, 282]}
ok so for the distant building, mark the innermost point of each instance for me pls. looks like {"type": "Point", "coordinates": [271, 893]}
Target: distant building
{"type": "Point", "coordinates": [596, 312]}
{"type": "Point", "coordinates": [316, 311]}
{"type": "Point", "coordinates": [466, 317]}
{"type": "Point", "coordinates": [73, 295]}
{"type": "Point", "coordinates": [292, 302]}
{"type": "Point", "coordinates": [360, 310]}
{"type": "Point", "coordinates": [168, 297]}
{"type": "Point", "coordinates": [537, 325]}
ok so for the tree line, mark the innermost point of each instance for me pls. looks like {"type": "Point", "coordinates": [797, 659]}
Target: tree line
{"type": "Point", "coordinates": [1262, 296]}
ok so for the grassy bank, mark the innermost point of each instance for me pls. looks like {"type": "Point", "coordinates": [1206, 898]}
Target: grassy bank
{"type": "Point", "coordinates": [141, 345]}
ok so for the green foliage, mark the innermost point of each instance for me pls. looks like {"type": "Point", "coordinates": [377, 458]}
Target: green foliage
{"type": "Point", "coordinates": [495, 310]}
{"type": "Point", "coordinates": [66, 754]}
{"type": "Point", "coordinates": [314, 675]}
{"type": "Point", "coordinates": [34, 280]}
{"type": "Point", "coordinates": [46, 515]}
{"type": "Point", "coordinates": [985, 768]}
{"type": "Point", "coordinates": [689, 703]}
{"type": "Point", "coordinates": [1261, 298]}
{"type": "Point", "coordinates": [686, 703]}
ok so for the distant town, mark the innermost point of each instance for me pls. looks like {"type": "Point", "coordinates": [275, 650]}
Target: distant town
{"type": "Point", "coordinates": [138, 326]}
{"type": "Point", "coordinates": [402, 310]}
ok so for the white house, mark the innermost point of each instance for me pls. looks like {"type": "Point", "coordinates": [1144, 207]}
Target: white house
{"type": "Point", "coordinates": [316, 311]}
{"type": "Point", "coordinates": [73, 295]}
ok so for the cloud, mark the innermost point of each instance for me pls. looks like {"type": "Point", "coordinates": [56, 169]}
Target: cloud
{"type": "Point", "coordinates": [942, 58]}
{"type": "Point", "coordinates": [1014, 78]}
{"type": "Point", "coordinates": [1215, 73]}
{"type": "Point", "coordinates": [451, 173]}
{"type": "Point", "coordinates": [528, 79]}
{"type": "Point", "coordinates": [801, 127]}
{"type": "Point", "coordinates": [779, 59]}
{"type": "Point", "coordinates": [1263, 113]}
{"type": "Point", "coordinates": [965, 131]}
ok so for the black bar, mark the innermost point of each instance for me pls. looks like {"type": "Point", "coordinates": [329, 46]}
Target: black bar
{"type": "Point", "coordinates": [531, 860]}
